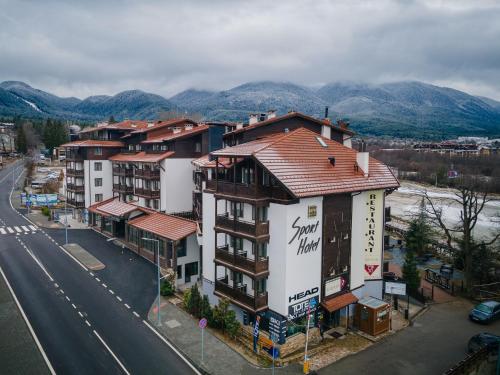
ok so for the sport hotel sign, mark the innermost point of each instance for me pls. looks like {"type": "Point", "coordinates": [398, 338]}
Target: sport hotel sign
{"type": "Point", "coordinates": [374, 228]}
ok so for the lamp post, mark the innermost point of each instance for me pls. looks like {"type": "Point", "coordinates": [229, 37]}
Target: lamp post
{"type": "Point", "coordinates": [158, 272]}
{"type": "Point", "coordinates": [66, 219]}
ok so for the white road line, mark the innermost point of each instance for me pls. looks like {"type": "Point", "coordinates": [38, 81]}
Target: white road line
{"type": "Point", "coordinates": [32, 227]}
{"type": "Point", "coordinates": [81, 315]}
{"type": "Point", "coordinates": [2, 231]}
{"type": "Point", "coordinates": [68, 298]}
{"type": "Point", "coordinates": [72, 257]}
{"type": "Point", "coordinates": [127, 306]}
{"type": "Point", "coordinates": [46, 359]}
{"type": "Point", "coordinates": [62, 291]}
{"type": "Point", "coordinates": [111, 291]}
{"type": "Point", "coordinates": [91, 274]}
{"type": "Point", "coordinates": [98, 280]}
{"type": "Point", "coordinates": [73, 306]}
{"type": "Point", "coordinates": [118, 298]}
{"type": "Point", "coordinates": [137, 315]}
{"type": "Point", "coordinates": [104, 285]}
{"type": "Point", "coordinates": [25, 228]}
{"type": "Point", "coordinates": [56, 285]}
{"type": "Point", "coordinates": [18, 230]}
{"type": "Point", "coordinates": [37, 262]}
{"type": "Point", "coordinates": [10, 230]}
{"type": "Point", "coordinates": [172, 347]}
{"type": "Point", "coordinates": [87, 323]}
{"type": "Point", "coordinates": [111, 352]}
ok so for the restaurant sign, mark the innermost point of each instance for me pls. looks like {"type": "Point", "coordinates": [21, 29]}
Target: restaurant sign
{"type": "Point", "coordinates": [373, 235]}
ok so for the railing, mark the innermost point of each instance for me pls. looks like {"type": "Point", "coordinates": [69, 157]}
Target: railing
{"type": "Point", "coordinates": [259, 228]}
{"type": "Point", "coordinates": [123, 188]}
{"type": "Point", "coordinates": [77, 188]}
{"type": "Point", "coordinates": [74, 157]}
{"type": "Point", "coordinates": [147, 173]}
{"type": "Point", "coordinates": [247, 190]}
{"type": "Point", "coordinates": [184, 214]}
{"type": "Point", "coordinates": [74, 172]}
{"type": "Point", "coordinates": [129, 172]}
{"type": "Point", "coordinates": [239, 294]}
{"type": "Point", "coordinates": [74, 203]}
{"type": "Point", "coordinates": [254, 266]}
{"type": "Point", "coordinates": [148, 193]}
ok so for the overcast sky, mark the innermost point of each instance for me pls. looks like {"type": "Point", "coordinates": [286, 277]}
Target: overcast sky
{"type": "Point", "coordinates": [82, 48]}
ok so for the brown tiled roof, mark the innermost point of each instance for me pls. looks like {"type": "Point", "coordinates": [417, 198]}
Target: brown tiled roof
{"type": "Point", "coordinates": [93, 143]}
{"type": "Point", "coordinates": [113, 207]}
{"type": "Point", "coordinates": [170, 135]}
{"type": "Point", "coordinates": [339, 302]}
{"type": "Point", "coordinates": [142, 157]}
{"type": "Point", "coordinates": [301, 164]}
{"type": "Point", "coordinates": [205, 162]}
{"type": "Point", "coordinates": [161, 125]}
{"type": "Point", "coordinates": [167, 226]}
{"type": "Point", "coordinates": [123, 125]}
{"type": "Point", "coordinates": [287, 116]}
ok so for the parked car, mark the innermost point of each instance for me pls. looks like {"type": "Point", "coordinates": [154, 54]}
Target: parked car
{"type": "Point", "coordinates": [476, 342]}
{"type": "Point", "coordinates": [485, 312]}
{"type": "Point", "coordinates": [391, 276]}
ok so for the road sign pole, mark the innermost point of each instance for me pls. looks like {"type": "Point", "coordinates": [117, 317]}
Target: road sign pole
{"type": "Point", "coordinates": [272, 353]}
{"type": "Point", "coordinates": [202, 339]}
{"type": "Point", "coordinates": [202, 324]}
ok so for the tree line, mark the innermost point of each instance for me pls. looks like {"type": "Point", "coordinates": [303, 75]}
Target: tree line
{"type": "Point", "coordinates": [30, 134]}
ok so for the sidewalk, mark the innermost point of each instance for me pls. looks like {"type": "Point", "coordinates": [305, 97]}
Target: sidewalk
{"type": "Point", "coordinates": [183, 332]}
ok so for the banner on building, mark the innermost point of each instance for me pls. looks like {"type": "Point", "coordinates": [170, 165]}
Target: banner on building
{"type": "Point", "coordinates": [39, 200]}
{"type": "Point", "coordinates": [374, 230]}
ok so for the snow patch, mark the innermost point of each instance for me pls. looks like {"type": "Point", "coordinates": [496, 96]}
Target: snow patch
{"type": "Point", "coordinates": [32, 105]}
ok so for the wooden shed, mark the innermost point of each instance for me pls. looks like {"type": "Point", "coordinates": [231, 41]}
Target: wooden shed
{"type": "Point", "coordinates": [372, 316]}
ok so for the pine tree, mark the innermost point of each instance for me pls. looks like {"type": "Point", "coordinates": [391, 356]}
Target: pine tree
{"type": "Point", "coordinates": [418, 236]}
{"type": "Point", "coordinates": [111, 120]}
{"type": "Point", "coordinates": [410, 271]}
{"type": "Point", "coordinates": [21, 143]}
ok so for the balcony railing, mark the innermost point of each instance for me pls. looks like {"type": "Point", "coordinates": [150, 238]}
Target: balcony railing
{"type": "Point", "coordinates": [254, 266]}
{"type": "Point", "coordinates": [252, 191]}
{"type": "Point", "coordinates": [74, 157]}
{"type": "Point", "coordinates": [147, 193]}
{"type": "Point", "coordinates": [75, 203]}
{"type": "Point", "coordinates": [76, 188]}
{"type": "Point", "coordinates": [129, 172]}
{"type": "Point", "coordinates": [74, 172]}
{"type": "Point", "coordinates": [147, 173]}
{"type": "Point", "coordinates": [238, 294]}
{"type": "Point", "coordinates": [123, 188]}
{"type": "Point", "coordinates": [259, 228]}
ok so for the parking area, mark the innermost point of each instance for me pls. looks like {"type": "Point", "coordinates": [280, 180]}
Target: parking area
{"type": "Point", "coordinates": [437, 340]}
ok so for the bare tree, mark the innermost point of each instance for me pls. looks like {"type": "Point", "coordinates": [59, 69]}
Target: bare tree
{"type": "Point", "coordinates": [459, 237]}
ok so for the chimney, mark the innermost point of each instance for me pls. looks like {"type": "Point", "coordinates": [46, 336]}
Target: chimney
{"type": "Point", "coordinates": [342, 124]}
{"type": "Point", "coordinates": [253, 119]}
{"type": "Point", "coordinates": [239, 125]}
{"type": "Point", "coordinates": [326, 112]}
{"type": "Point", "coordinates": [362, 160]}
{"type": "Point", "coordinates": [331, 159]}
{"type": "Point", "coordinates": [262, 117]}
{"type": "Point", "coordinates": [271, 114]}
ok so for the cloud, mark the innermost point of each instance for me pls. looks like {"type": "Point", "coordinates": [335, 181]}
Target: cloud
{"type": "Point", "coordinates": [102, 47]}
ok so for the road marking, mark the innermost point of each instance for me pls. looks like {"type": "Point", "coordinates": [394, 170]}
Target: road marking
{"type": "Point", "coordinates": [32, 227]}
{"type": "Point", "coordinates": [111, 352]}
{"type": "Point", "coordinates": [18, 230]}
{"type": "Point", "coordinates": [62, 291]}
{"type": "Point", "coordinates": [2, 231]}
{"type": "Point", "coordinates": [111, 291]}
{"type": "Point", "coordinates": [10, 230]}
{"type": "Point", "coordinates": [25, 228]}
{"type": "Point", "coordinates": [40, 348]}
{"type": "Point", "coordinates": [81, 315]}
{"type": "Point", "coordinates": [72, 257]}
{"type": "Point", "coordinates": [73, 306]}
{"type": "Point", "coordinates": [133, 312]}
{"type": "Point", "coordinates": [118, 298]}
{"type": "Point", "coordinates": [104, 285]}
{"type": "Point", "coordinates": [56, 285]}
{"type": "Point", "coordinates": [68, 298]}
{"type": "Point", "coordinates": [127, 306]}
{"type": "Point", "coordinates": [91, 274]}
{"type": "Point", "coordinates": [98, 280]}
{"type": "Point", "coordinates": [172, 347]}
{"type": "Point", "coordinates": [87, 323]}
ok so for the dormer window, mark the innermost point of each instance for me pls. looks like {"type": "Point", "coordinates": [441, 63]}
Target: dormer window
{"type": "Point", "coordinates": [176, 129]}
{"type": "Point", "coordinates": [188, 127]}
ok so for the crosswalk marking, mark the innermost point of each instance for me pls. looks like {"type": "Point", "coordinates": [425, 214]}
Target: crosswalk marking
{"type": "Point", "coordinates": [32, 227]}
{"type": "Point", "coordinates": [2, 231]}
{"type": "Point", "coordinates": [25, 228]}
{"type": "Point", "coordinates": [10, 230]}
{"type": "Point", "coordinates": [18, 230]}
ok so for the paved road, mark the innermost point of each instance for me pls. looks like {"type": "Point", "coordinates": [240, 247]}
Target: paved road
{"type": "Point", "coordinates": [436, 342]}
{"type": "Point", "coordinates": [86, 323]}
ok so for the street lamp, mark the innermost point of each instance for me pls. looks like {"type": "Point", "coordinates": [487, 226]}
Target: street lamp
{"type": "Point", "coordinates": [158, 271]}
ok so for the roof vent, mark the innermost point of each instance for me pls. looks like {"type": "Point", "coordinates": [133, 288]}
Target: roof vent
{"type": "Point", "coordinates": [287, 130]}
{"type": "Point", "coordinates": [321, 142]}
{"type": "Point", "coordinates": [331, 159]}
{"type": "Point", "coordinates": [151, 124]}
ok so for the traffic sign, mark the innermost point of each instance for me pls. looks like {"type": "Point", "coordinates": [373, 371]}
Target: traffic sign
{"type": "Point", "coordinates": [202, 323]}
{"type": "Point", "coordinates": [312, 303]}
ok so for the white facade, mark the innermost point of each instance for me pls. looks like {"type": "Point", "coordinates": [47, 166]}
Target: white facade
{"type": "Point", "coordinates": [192, 255]}
{"type": "Point", "coordinates": [176, 181]}
{"type": "Point", "coordinates": [91, 174]}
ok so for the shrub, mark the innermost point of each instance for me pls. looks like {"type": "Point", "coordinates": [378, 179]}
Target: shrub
{"type": "Point", "coordinates": [206, 309]}
{"type": "Point", "coordinates": [187, 299]}
{"type": "Point", "coordinates": [194, 302]}
{"type": "Point", "coordinates": [46, 211]}
{"type": "Point", "coordinates": [225, 319]}
{"type": "Point", "coordinates": [166, 288]}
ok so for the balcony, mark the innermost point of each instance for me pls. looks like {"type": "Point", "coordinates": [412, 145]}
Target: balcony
{"type": "Point", "coordinates": [239, 296]}
{"type": "Point", "coordinates": [259, 228]}
{"type": "Point", "coordinates": [75, 188]}
{"type": "Point", "coordinates": [73, 157]}
{"type": "Point", "coordinates": [147, 193]}
{"type": "Point", "coordinates": [147, 173]}
{"type": "Point", "coordinates": [120, 188]}
{"type": "Point", "coordinates": [252, 266]}
{"type": "Point", "coordinates": [74, 172]}
{"type": "Point", "coordinates": [75, 203]}
{"type": "Point", "coordinates": [251, 191]}
{"type": "Point", "coordinates": [119, 171]}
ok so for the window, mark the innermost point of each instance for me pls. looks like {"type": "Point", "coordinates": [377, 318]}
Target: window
{"type": "Point", "coordinates": [262, 249]}
{"type": "Point", "coordinates": [237, 243]}
{"type": "Point", "coordinates": [181, 248]}
{"type": "Point", "coordinates": [156, 204]}
{"type": "Point", "coordinates": [97, 181]}
{"type": "Point", "coordinates": [197, 147]}
{"type": "Point", "coordinates": [131, 147]}
{"type": "Point", "coordinates": [259, 285]}
{"type": "Point", "coordinates": [98, 197]}
{"type": "Point", "coordinates": [164, 147]}
{"type": "Point", "coordinates": [311, 211]}
{"type": "Point", "coordinates": [98, 166]}
{"type": "Point", "coordinates": [236, 209]}
{"type": "Point", "coordinates": [262, 213]}
{"type": "Point", "coordinates": [97, 151]}
{"type": "Point", "coordinates": [190, 269]}
{"type": "Point", "coordinates": [179, 272]}
{"type": "Point", "coordinates": [147, 203]}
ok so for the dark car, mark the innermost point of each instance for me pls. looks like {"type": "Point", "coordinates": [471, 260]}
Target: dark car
{"type": "Point", "coordinates": [485, 312]}
{"type": "Point", "coordinates": [478, 341]}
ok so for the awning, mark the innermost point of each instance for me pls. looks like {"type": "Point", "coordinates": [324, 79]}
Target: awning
{"type": "Point", "coordinates": [339, 302]}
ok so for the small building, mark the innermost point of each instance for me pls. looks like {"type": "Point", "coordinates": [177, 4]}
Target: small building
{"type": "Point", "coordinates": [372, 316]}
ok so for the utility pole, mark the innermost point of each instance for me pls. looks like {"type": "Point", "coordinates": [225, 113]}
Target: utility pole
{"type": "Point", "coordinates": [66, 219]}
{"type": "Point", "coordinates": [158, 272]}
